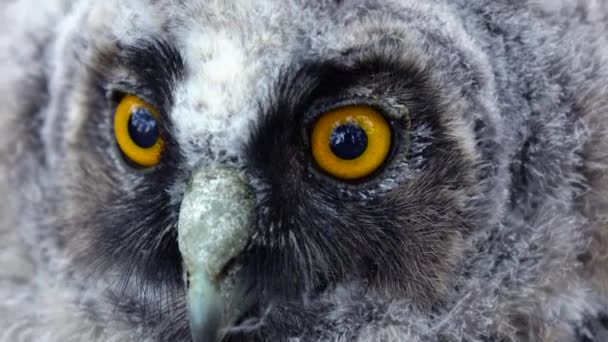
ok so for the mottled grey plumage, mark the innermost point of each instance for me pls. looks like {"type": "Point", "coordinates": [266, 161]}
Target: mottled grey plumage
{"type": "Point", "coordinates": [488, 223]}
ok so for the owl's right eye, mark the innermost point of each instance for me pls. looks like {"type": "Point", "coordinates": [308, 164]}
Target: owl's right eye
{"type": "Point", "coordinates": [136, 128]}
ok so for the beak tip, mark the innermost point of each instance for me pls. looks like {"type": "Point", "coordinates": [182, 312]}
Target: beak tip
{"type": "Point", "coordinates": [205, 333]}
{"type": "Point", "coordinates": [205, 310]}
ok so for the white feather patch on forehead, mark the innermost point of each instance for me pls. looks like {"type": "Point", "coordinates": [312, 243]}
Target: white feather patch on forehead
{"type": "Point", "coordinates": [213, 107]}
{"type": "Point", "coordinates": [233, 59]}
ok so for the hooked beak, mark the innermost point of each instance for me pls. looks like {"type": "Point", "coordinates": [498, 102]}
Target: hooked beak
{"type": "Point", "coordinates": [215, 222]}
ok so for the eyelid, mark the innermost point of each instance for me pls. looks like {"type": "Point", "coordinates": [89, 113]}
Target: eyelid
{"type": "Point", "coordinates": [394, 112]}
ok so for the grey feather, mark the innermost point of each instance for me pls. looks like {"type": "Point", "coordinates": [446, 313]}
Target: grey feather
{"type": "Point", "coordinates": [503, 238]}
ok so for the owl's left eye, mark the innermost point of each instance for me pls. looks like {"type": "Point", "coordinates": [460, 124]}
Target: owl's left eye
{"type": "Point", "coordinates": [136, 129]}
{"type": "Point", "coordinates": [351, 142]}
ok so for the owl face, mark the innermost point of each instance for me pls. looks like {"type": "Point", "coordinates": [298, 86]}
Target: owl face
{"type": "Point", "coordinates": [269, 155]}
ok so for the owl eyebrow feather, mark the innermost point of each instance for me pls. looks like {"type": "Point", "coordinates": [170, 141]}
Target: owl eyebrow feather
{"type": "Point", "coordinates": [154, 67]}
{"type": "Point", "coordinates": [158, 65]}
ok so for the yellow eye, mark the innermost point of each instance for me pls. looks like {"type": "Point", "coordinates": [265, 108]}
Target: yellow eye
{"type": "Point", "coordinates": [137, 131]}
{"type": "Point", "coordinates": [351, 142]}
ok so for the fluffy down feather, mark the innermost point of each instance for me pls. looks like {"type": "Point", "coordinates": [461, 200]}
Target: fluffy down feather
{"type": "Point", "coordinates": [536, 271]}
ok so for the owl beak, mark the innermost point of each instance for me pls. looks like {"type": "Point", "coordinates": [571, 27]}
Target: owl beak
{"type": "Point", "coordinates": [215, 222]}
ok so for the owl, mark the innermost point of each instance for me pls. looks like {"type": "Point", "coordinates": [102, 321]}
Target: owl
{"type": "Point", "coordinates": [297, 170]}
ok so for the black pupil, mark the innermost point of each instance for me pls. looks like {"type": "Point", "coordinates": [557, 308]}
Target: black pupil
{"type": "Point", "coordinates": [143, 128]}
{"type": "Point", "coordinates": [348, 141]}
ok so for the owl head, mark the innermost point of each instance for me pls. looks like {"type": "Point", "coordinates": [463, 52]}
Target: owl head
{"type": "Point", "coordinates": [330, 170]}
